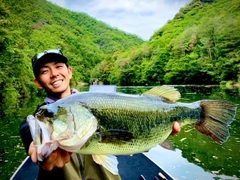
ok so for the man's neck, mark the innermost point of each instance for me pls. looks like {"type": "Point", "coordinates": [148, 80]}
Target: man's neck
{"type": "Point", "coordinates": [51, 99]}
{"type": "Point", "coordinates": [61, 95]}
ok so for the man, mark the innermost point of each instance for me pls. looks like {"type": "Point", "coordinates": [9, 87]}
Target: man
{"type": "Point", "coordinates": [53, 74]}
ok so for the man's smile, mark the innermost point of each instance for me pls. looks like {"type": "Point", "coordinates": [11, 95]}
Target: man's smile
{"type": "Point", "coordinates": [57, 82]}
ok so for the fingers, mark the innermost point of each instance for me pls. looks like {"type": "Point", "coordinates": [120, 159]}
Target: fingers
{"type": "Point", "coordinates": [65, 157]}
{"type": "Point", "coordinates": [32, 152]}
{"type": "Point", "coordinates": [175, 128]}
{"type": "Point", "coordinates": [50, 162]}
{"type": "Point", "coordinates": [57, 159]}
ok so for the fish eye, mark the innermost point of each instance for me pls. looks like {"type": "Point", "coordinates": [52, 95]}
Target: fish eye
{"type": "Point", "coordinates": [49, 113]}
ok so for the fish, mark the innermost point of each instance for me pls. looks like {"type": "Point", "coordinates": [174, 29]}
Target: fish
{"type": "Point", "coordinates": [109, 124]}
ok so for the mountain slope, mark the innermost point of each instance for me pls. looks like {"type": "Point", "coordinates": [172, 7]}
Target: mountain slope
{"type": "Point", "coordinates": [28, 27]}
{"type": "Point", "coordinates": [201, 45]}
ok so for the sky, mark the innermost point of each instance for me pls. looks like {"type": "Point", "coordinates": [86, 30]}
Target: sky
{"type": "Point", "coordinates": [139, 17]}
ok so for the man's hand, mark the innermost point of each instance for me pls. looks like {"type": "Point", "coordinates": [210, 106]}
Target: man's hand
{"type": "Point", "coordinates": [175, 128]}
{"type": "Point", "coordinates": [57, 158]}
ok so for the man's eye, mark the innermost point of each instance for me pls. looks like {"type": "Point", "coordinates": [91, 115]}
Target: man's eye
{"type": "Point", "coordinates": [44, 72]}
{"type": "Point", "coordinates": [59, 66]}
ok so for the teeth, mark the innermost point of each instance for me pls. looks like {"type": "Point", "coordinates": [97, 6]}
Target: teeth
{"type": "Point", "coordinates": [57, 82]}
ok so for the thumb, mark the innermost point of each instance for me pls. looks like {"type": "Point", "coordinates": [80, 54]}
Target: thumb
{"type": "Point", "coordinates": [32, 152]}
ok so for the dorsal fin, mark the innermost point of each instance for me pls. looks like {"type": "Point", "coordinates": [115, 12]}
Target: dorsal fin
{"type": "Point", "coordinates": [167, 92]}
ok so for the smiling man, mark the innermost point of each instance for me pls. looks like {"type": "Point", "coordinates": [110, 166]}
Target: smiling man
{"type": "Point", "coordinates": [53, 75]}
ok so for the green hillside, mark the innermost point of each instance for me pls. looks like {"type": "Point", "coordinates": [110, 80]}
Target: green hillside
{"type": "Point", "coordinates": [201, 45]}
{"type": "Point", "coordinates": [31, 26]}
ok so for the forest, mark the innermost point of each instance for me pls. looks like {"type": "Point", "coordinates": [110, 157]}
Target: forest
{"type": "Point", "coordinates": [200, 45]}
{"type": "Point", "coordinates": [31, 26]}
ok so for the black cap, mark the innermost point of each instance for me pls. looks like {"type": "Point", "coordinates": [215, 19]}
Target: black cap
{"type": "Point", "coordinates": [39, 59]}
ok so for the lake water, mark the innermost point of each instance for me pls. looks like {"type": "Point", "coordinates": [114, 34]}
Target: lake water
{"type": "Point", "coordinates": [196, 156]}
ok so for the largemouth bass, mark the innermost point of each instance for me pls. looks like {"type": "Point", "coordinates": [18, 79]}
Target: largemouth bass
{"type": "Point", "coordinates": [108, 124]}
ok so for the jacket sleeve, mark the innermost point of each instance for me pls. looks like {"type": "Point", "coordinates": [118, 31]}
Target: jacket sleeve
{"type": "Point", "coordinates": [25, 134]}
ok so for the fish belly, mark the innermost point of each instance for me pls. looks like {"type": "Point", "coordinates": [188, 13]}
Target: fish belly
{"type": "Point", "coordinates": [145, 141]}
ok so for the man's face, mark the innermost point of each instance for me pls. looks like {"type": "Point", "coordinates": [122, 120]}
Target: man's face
{"type": "Point", "coordinates": [54, 77]}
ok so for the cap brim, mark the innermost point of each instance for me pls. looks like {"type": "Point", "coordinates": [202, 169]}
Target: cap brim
{"type": "Point", "coordinates": [49, 57]}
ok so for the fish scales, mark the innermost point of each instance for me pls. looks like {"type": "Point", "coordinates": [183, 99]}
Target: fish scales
{"type": "Point", "coordinates": [106, 124]}
{"type": "Point", "coordinates": [147, 118]}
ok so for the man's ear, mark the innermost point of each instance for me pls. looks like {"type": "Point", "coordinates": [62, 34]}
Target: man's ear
{"type": "Point", "coordinates": [36, 82]}
{"type": "Point", "coordinates": [70, 72]}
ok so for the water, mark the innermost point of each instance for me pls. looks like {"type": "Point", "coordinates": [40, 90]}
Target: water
{"type": "Point", "coordinates": [196, 156]}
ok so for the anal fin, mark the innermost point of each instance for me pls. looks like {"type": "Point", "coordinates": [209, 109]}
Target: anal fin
{"type": "Point", "coordinates": [167, 145]}
{"type": "Point", "coordinates": [109, 162]}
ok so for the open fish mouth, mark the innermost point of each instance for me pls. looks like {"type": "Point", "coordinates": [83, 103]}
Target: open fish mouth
{"type": "Point", "coordinates": [50, 132]}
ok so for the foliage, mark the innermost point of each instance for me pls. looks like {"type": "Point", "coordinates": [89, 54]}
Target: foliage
{"type": "Point", "coordinates": [198, 46]}
{"type": "Point", "coordinates": [29, 27]}
{"type": "Point", "coordinates": [201, 45]}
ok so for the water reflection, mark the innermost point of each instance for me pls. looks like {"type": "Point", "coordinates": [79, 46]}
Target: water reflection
{"type": "Point", "coordinates": [180, 168]}
{"type": "Point", "coordinates": [12, 152]}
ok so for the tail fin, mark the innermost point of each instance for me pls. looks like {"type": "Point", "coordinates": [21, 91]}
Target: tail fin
{"type": "Point", "coordinates": [215, 118]}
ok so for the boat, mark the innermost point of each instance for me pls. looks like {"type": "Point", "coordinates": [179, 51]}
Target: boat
{"type": "Point", "coordinates": [136, 167]}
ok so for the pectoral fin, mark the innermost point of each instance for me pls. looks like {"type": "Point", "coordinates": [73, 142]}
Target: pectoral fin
{"type": "Point", "coordinates": [170, 94]}
{"type": "Point", "coordinates": [109, 162]}
{"type": "Point", "coordinates": [115, 135]}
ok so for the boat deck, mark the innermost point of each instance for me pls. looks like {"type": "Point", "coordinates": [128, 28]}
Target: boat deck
{"type": "Point", "coordinates": [136, 167]}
